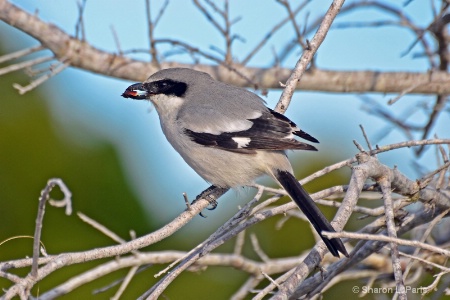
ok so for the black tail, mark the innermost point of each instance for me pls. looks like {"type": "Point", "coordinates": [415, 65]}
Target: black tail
{"type": "Point", "coordinates": [310, 209]}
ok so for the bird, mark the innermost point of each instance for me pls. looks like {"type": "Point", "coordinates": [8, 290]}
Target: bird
{"type": "Point", "coordinates": [228, 135]}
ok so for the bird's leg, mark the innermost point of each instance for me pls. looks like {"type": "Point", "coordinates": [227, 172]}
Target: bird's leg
{"type": "Point", "coordinates": [211, 194]}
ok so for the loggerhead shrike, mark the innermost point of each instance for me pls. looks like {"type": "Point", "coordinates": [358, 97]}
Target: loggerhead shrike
{"type": "Point", "coordinates": [228, 136]}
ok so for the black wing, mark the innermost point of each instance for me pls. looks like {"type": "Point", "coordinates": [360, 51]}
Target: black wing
{"type": "Point", "coordinates": [270, 131]}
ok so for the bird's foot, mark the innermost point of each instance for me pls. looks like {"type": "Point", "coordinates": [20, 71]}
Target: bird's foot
{"type": "Point", "coordinates": [210, 195]}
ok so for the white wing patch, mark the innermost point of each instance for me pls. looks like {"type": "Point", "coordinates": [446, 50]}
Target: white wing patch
{"type": "Point", "coordinates": [241, 142]}
{"type": "Point", "coordinates": [254, 115]}
{"type": "Point", "coordinates": [290, 136]}
{"type": "Point", "coordinates": [233, 125]}
{"type": "Point", "coordinates": [226, 125]}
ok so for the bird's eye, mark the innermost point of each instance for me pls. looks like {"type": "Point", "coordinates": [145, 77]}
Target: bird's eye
{"type": "Point", "coordinates": [163, 84]}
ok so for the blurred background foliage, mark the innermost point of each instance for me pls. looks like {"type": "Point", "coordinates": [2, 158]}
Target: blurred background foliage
{"type": "Point", "coordinates": [33, 151]}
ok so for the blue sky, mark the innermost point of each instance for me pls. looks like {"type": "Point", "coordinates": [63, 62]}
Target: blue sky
{"type": "Point", "coordinates": [89, 106]}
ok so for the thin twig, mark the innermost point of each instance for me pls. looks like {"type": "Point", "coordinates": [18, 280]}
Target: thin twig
{"type": "Point", "coordinates": [210, 18]}
{"type": "Point", "coordinates": [257, 248]}
{"type": "Point", "coordinates": [383, 238]}
{"type": "Point", "coordinates": [423, 238]}
{"type": "Point", "coordinates": [35, 83]}
{"type": "Point", "coordinates": [366, 137]}
{"type": "Point", "coordinates": [270, 279]}
{"type": "Point", "coordinates": [441, 101]}
{"type": "Point", "coordinates": [427, 178]}
{"type": "Point", "coordinates": [221, 235]}
{"type": "Point", "coordinates": [249, 285]}
{"type": "Point", "coordinates": [228, 38]}
{"type": "Point", "coordinates": [151, 28]}
{"type": "Point", "coordinates": [66, 201]}
{"type": "Point", "coordinates": [25, 64]}
{"type": "Point", "coordinates": [20, 53]}
{"type": "Point", "coordinates": [186, 201]}
{"type": "Point", "coordinates": [291, 15]}
{"type": "Point", "coordinates": [441, 184]}
{"type": "Point", "coordinates": [267, 37]}
{"type": "Point", "coordinates": [273, 285]}
{"type": "Point", "coordinates": [87, 277]}
{"type": "Point", "coordinates": [79, 27]}
{"type": "Point", "coordinates": [45, 195]}
{"type": "Point", "coordinates": [424, 261]}
{"type": "Point", "coordinates": [103, 229]}
{"type": "Point", "coordinates": [161, 12]}
{"type": "Point", "coordinates": [116, 40]}
{"type": "Point", "coordinates": [307, 56]}
{"type": "Point", "coordinates": [406, 91]}
{"type": "Point", "coordinates": [125, 283]}
{"type": "Point", "coordinates": [358, 146]}
{"type": "Point", "coordinates": [240, 240]}
{"type": "Point", "coordinates": [385, 184]}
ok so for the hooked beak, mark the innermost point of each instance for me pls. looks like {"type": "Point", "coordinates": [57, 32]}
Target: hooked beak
{"type": "Point", "coordinates": [136, 91]}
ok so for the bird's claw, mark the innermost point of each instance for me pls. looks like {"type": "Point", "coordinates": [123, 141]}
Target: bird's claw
{"type": "Point", "coordinates": [205, 195]}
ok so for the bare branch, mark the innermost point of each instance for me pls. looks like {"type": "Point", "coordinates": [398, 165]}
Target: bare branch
{"type": "Point", "coordinates": [84, 56]}
{"type": "Point", "coordinates": [384, 238]}
{"type": "Point", "coordinates": [248, 286]}
{"type": "Point", "coordinates": [423, 238]}
{"type": "Point", "coordinates": [240, 239]}
{"type": "Point", "coordinates": [407, 91]}
{"type": "Point", "coordinates": [231, 228]}
{"type": "Point", "coordinates": [101, 228]}
{"type": "Point", "coordinates": [79, 27]}
{"type": "Point", "coordinates": [71, 258]}
{"type": "Point", "coordinates": [161, 12]}
{"type": "Point", "coordinates": [209, 16]}
{"type": "Point", "coordinates": [25, 64]}
{"type": "Point", "coordinates": [266, 38]}
{"type": "Point", "coordinates": [366, 137]}
{"type": "Point", "coordinates": [385, 185]}
{"type": "Point", "coordinates": [257, 248]}
{"type": "Point", "coordinates": [439, 106]}
{"type": "Point", "coordinates": [125, 283]}
{"type": "Point", "coordinates": [116, 40]}
{"type": "Point", "coordinates": [40, 80]}
{"type": "Point", "coordinates": [221, 235]}
{"type": "Point", "coordinates": [151, 30]}
{"type": "Point", "coordinates": [307, 56]}
{"type": "Point", "coordinates": [45, 195]}
{"type": "Point", "coordinates": [291, 15]}
{"type": "Point", "coordinates": [20, 53]}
